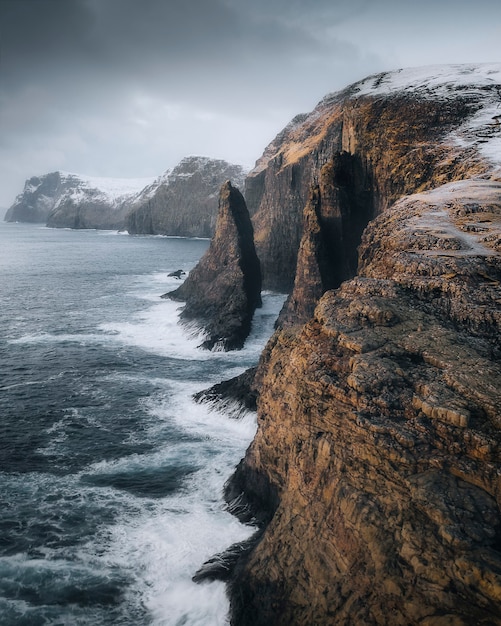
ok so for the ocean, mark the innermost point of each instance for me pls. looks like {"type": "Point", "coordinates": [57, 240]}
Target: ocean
{"type": "Point", "coordinates": [111, 475]}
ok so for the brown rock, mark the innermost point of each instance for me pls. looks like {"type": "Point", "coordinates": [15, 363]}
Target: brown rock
{"type": "Point", "coordinates": [376, 467]}
{"type": "Point", "coordinates": [224, 289]}
{"type": "Point", "coordinates": [399, 140]}
{"type": "Point", "coordinates": [333, 221]}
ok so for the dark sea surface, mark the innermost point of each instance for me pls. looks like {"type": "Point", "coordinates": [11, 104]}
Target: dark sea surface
{"type": "Point", "coordinates": [110, 475]}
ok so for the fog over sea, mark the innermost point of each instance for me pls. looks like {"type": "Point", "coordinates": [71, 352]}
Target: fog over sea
{"type": "Point", "coordinates": [111, 476]}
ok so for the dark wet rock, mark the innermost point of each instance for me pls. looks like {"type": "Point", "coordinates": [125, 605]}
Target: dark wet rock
{"type": "Point", "coordinates": [224, 565]}
{"type": "Point", "coordinates": [222, 292]}
{"type": "Point", "coordinates": [176, 274]}
{"type": "Point", "coordinates": [234, 397]}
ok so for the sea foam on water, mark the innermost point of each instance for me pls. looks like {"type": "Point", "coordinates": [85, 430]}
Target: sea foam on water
{"type": "Point", "coordinates": [112, 475]}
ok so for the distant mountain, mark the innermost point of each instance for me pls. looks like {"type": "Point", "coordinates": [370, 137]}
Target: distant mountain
{"type": "Point", "coordinates": [36, 200]}
{"type": "Point", "coordinates": [66, 200]}
{"type": "Point", "coordinates": [184, 201]}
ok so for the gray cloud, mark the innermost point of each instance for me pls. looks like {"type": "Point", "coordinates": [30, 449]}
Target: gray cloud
{"type": "Point", "coordinates": [128, 87]}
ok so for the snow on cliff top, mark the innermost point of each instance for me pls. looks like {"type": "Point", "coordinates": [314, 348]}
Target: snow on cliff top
{"type": "Point", "coordinates": [478, 82]}
{"type": "Point", "coordinates": [481, 82]}
{"type": "Point", "coordinates": [433, 80]}
{"type": "Point", "coordinates": [112, 188]}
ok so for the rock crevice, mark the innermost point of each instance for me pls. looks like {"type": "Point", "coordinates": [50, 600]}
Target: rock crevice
{"type": "Point", "coordinates": [376, 467]}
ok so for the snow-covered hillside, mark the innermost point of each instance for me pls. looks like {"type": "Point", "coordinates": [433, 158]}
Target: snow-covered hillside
{"type": "Point", "coordinates": [64, 198]}
{"type": "Point", "coordinates": [69, 200]}
{"type": "Point", "coordinates": [479, 85]}
{"type": "Point", "coordinates": [114, 191]}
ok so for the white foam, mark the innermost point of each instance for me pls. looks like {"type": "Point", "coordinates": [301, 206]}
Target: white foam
{"type": "Point", "coordinates": [158, 543]}
{"type": "Point", "coordinates": [170, 539]}
{"type": "Point", "coordinates": [157, 330]}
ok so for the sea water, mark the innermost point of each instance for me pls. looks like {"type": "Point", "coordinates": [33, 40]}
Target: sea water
{"type": "Point", "coordinates": [111, 476]}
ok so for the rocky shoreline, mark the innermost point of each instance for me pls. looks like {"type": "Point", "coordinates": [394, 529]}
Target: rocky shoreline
{"type": "Point", "coordinates": [375, 474]}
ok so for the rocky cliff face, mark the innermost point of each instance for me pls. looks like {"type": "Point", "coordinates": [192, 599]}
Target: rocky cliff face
{"type": "Point", "coordinates": [182, 202]}
{"type": "Point", "coordinates": [387, 136]}
{"type": "Point", "coordinates": [376, 466]}
{"type": "Point", "coordinates": [64, 200]}
{"type": "Point", "coordinates": [224, 289]}
{"type": "Point", "coordinates": [185, 200]}
{"type": "Point", "coordinates": [37, 199]}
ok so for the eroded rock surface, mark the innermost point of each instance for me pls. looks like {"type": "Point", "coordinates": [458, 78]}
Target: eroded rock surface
{"type": "Point", "coordinates": [222, 292]}
{"type": "Point", "coordinates": [379, 428]}
{"type": "Point", "coordinates": [376, 467]}
{"type": "Point", "coordinates": [400, 132]}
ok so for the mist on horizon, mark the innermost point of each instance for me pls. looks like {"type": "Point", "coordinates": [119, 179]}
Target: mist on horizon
{"type": "Point", "coordinates": [117, 88]}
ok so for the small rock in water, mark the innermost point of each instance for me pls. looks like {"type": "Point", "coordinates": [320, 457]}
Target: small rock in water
{"type": "Point", "coordinates": [177, 273]}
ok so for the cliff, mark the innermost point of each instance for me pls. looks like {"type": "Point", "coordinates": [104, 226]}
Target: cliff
{"type": "Point", "coordinates": [65, 200]}
{"type": "Point", "coordinates": [222, 292]}
{"type": "Point", "coordinates": [386, 136]}
{"type": "Point", "coordinates": [184, 201]}
{"type": "Point", "coordinates": [36, 200]}
{"type": "Point", "coordinates": [376, 467]}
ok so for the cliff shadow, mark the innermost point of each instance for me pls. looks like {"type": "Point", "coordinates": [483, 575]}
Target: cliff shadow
{"type": "Point", "coordinates": [339, 207]}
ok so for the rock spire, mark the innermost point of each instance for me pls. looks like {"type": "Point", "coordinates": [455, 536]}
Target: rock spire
{"type": "Point", "coordinates": [222, 292]}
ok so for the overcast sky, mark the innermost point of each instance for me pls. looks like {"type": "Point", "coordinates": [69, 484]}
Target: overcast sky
{"type": "Point", "coordinates": [126, 88]}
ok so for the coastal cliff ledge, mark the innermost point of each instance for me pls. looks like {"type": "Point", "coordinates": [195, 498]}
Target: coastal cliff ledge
{"type": "Point", "coordinates": [376, 467]}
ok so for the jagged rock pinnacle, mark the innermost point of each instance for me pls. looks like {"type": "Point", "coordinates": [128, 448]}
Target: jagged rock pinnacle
{"type": "Point", "coordinates": [224, 289]}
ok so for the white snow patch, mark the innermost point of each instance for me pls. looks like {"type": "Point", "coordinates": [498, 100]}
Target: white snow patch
{"type": "Point", "coordinates": [434, 80]}
{"type": "Point", "coordinates": [479, 83]}
{"type": "Point", "coordinates": [108, 189]}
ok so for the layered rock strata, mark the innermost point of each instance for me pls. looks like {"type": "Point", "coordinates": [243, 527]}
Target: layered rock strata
{"type": "Point", "coordinates": [387, 136]}
{"type": "Point", "coordinates": [379, 450]}
{"type": "Point", "coordinates": [376, 468]}
{"type": "Point", "coordinates": [222, 292]}
{"type": "Point", "coordinates": [333, 221]}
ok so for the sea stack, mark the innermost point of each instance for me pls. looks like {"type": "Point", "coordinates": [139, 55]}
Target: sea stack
{"type": "Point", "coordinates": [222, 292]}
